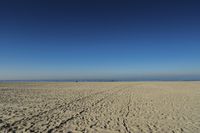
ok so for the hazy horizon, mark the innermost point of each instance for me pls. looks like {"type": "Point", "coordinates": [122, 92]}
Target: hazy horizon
{"type": "Point", "coordinates": [99, 40]}
{"type": "Point", "coordinates": [166, 77]}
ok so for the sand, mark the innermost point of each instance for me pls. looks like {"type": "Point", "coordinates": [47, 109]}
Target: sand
{"type": "Point", "coordinates": [118, 107]}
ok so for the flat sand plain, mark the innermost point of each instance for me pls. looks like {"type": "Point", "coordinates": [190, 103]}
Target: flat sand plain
{"type": "Point", "coordinates": [92, 107]}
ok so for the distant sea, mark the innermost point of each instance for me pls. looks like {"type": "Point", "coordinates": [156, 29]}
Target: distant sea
{"type": "Point", "coordinates": [5, 81]}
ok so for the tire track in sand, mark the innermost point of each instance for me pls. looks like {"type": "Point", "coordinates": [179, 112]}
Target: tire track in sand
{"type": "Point", "coordinates": [125, 113]}
{"type": "Point", "coordinates": [81, 113]}
{"type": "Point", "coordinates": [12, 127]}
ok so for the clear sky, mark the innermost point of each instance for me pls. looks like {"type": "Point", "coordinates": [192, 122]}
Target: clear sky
{"type": "Point", "coordinates": [99, 39]}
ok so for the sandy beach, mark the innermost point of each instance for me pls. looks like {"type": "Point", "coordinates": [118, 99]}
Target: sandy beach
{"type": "Point", "coordinates": [95, 107]}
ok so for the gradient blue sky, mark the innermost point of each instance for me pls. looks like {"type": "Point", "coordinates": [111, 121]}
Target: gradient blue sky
{"type": "Point", "coordinates": [99, 39]}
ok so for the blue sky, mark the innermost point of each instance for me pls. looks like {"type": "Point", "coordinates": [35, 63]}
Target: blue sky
{"type": "Point", "coordinates": [119, 40]}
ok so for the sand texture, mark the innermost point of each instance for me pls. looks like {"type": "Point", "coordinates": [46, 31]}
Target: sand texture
{"type": "Point", "coordinates": [118, 107]}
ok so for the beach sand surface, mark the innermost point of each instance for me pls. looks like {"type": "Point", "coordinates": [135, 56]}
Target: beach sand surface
{"type": "Point", "coordinates": [100, 107]}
